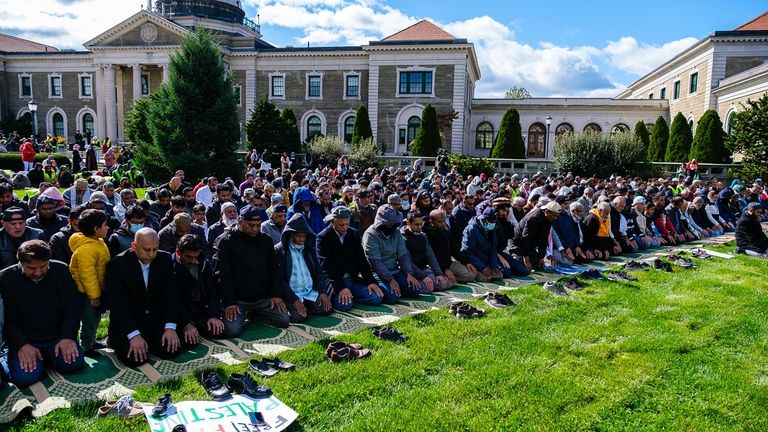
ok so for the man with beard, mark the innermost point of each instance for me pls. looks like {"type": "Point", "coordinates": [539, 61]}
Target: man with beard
{"type": "Point", "coordinates": [206, 193]}
{"type": "Point", "coordinates": [223, 195]}
{"type": "Point", "coordinates": [8, 200]}
{"type": "Point", "coordinates": [60, 241]}
{"type": "Point", "coordinates": [14, 232]}
{"type": "Point", "coordinates": [304, 203]}
{"type": "Point", "coordinates": [228, 219]}
{"type": "Point", "coordinates": [163, 203]}
{"type": "Point", "coordinates": [425, 265]}
{"type": "Point", "coordinates": [177, 206]}
{"type": "Point", "coordinates": [505, 232]}
{"type": "Point", "coordinates": [532, 234]}
{"type": "Point", "coordinates": [127, 199]}
{"type": "Point", "coordinates": [363, 211]}
{"type": "Point", "coordinates": [276, 223]}
{"type": "Point", "coordinates": [46, 218]}
{"type": "Point", "coordinates": [439, 236]}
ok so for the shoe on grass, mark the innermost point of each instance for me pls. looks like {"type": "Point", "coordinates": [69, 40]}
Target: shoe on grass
{"type": "Point", "coordinates": [215, 387]}
{"type": "Point", "coordinates": [388, 333]}
{"type": "Point", "coordinates": [498, 300]}
{"type": "Point", "coordinates": [574, 284]}
{"type": "Point", "coordinates": [682, 262]}
{"type": "Point", "coordinates": [555, 288]}
{"type": "Point", "coordinates": [623, 275]}
{"type": "Point", "coordinates": [164, 403]}
{"type": "Point", "coordinates": [633, 265]}
{"type": "Point", "coordinates": [592, 274]}
{"type": "Point", "coordinates": [244, 384]}
{"type": "Point", "coordinates": [658, 264]}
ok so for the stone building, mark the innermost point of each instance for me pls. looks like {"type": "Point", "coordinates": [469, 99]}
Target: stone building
{"type": "Point", "coordinates": [394, 78]}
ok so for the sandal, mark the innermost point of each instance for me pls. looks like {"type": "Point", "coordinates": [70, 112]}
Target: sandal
{"type": "Point", "coordinates": [388, 333]}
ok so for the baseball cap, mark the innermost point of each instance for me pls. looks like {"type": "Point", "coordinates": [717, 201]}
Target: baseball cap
{"type": "Point", "coordinates": [553, 207]}
{"type": "Point", "coordinates": [638, 200]}
{"type": "Point", "coordinates": [251, 213]}
{"type": "Point", "coordinates": [488, 213]}
{"type": "Point", "coordinates": [13, 213]}
{"type": "Point", "coordinates": [750, 206]}
{"type": "Point", "coordinates": [339, 212]}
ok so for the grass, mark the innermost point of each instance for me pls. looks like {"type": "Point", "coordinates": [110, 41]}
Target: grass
{"type": "Point", "coordinates": [680, 351]}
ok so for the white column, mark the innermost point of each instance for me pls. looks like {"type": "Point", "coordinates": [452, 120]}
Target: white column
{"type": "Point", "coordinates": [166, 72]}
{"type": "Point", "coordinates": [101, 104]}
{"type": "Point", "coordinates": [459, 93]}
{"type": "Point", "coordinates": [373, 105]}
{"type": "Point", "coordinates": [111, 131]}
{"type": "Point", "coordinates": [136, 81]}
{"type": "Point", "coordinates": [120, 81]}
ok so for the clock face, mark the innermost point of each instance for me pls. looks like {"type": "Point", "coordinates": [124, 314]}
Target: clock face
{"type": "Point", "coordinates": [148, 32]}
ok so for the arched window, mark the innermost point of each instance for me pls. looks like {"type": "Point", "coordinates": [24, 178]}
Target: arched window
{"type": "Point", "coordinates": [619, 128]}
{"type": "Point", "coordinates": [413, 127]}
{"type": "Point", "coordinates": [349, 127]}
{"type": "Point", "coordinates": [593, 127]}
{"type": "Point", "coordinates": [692, 124]}
{"type": "Point", "coordinates": [87, 123]}
{"type": "Point", "coordinates": [729, 118]}
{"type": "Point", "coordinates": [314, 127]}
{"type": "Point", "coordinates": [484, 136]}
{"type": "Point", "coordinates": [563, 129]}
{"type": "Point", "coordinates": [537, 134]}
{"type": "Point", "coordinates": [58, 124]}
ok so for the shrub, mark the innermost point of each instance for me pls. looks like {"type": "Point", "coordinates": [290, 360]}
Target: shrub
{"type": "Point", "coordinates": [641, 135]}
{"type": "Point", "coordinates": [588, 153]}
{"type": "Point", "coordinates": [331, 146]}
{"type": "Point", "coordinates": [749, 136]}
{"type": "Point", "coordinates": [509, 143]}
{"type": "Point", "coordinates": [362, 127]}
{"type": "Point", "coordinates": [12, 161]}
{"type": "Point", "coordinates": [469, 165]}
{"type": "Point", "coordinates": [658, 146]}
{"type": "Point", "coordinates": [709, 142]}
{"type": "Point", "coordinates": [680, 138]}
{"type": "Point", "coordinates": [427, 139]}
{"type": "Point", "coordinates": [364, 154]}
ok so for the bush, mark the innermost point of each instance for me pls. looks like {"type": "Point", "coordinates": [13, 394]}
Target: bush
{"type": "Point", "coordinates": [709, 141]}
{"type": "Point", "coordinates": [509, 143]}
{"type": "Point", "coordinates": [12, 161]}
{"type": "Point", "coordinates": [469, 165]}
{"type": "Point", "coordinates": [588, 153]}
{"type": "Point", "coordinates": [641, 135]}
{"type": "Point", "coordinates": [365, 154]}
{"type": "Point", "coordinates": [680, 138]}
{"type": "Point", "coordinates": [330, 146]}
{"type": "Point", "coordinates": [427, 139]}
{"type": "Point", "coordinates": [658, 145]}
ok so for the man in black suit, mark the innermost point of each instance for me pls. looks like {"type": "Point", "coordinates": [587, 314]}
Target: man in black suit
{"type": "Point", "coordinates": [144, 301]}
{"type": "Point", "coordinates": [340, 251]}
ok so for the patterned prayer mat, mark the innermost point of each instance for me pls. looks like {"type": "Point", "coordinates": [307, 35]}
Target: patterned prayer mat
{"type": "Point", "coordinates": [105, 377]}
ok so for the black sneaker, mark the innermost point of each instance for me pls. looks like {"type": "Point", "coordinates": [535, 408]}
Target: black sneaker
{"type": "Point", "coordinates": [245, 385]}
{"type": "Point", "coordinates": [498, 300]}
{"type": "Point", "coordinates": [215, 387]}
{"type": "Point", "coordinates": [555, 288]}
{"type": "Point", "coordinates": [633, 265]}
{"type": "Point", "coordinates": [163, 404]}
{"type": "Point", "coordinates": [701, 254]}
{"type": "Point", "coordinates": [574, 284]}
{"type": "Point", "coordinates": [624, 275]}
{"type": "Point", "coordinates": [593, 274]}
{"type": "Point", "coordinates": [682, 262]}
{"type": "Point", "coordinates": [658, 264]}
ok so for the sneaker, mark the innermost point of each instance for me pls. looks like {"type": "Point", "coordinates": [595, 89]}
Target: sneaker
{"type": "Point", "coordinates": [633, 265]}
{"type": "Point", "coordinates": [468, 311]}
{"type": "Point", "coordinates": [388, 333]}
{"type": "Point", "coordinates": [682, 262]}
{"type": "Point", "coordinates": [498, 300]}
{"type": "Point", "coordinates": [574, 284]}
{"type": "Point", "coordinates": [658, 264]}
{"type": "Point", "coordinates": [555, 288]}
{"type": "Point", "coordinates": [614, 276]}
{"type": "Point", "coordinates": [700, 254]}
{"type": "Point", "coordinates": [593, 274]}
{"type": "Point", "coordinates": [215, 387]}
{"type": "Point", "coordinates": [626, 276]}
{"type": "Point", "coordinates": [163, 404]}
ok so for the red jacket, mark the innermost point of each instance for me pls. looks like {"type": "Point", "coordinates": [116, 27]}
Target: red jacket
{"type": "Point", "coordinates": [664, 225]}
{"type": "Point", "coordinates": [27, 152]}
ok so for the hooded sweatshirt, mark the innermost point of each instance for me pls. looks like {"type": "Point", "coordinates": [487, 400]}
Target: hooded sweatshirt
{"type": "Point", "coordinates": [300, 273]}
{"type": "Point", "coordinates": [387, 254]}
{"type": "Point", "coordinates": [314, 214]}
{"type": "Point", "coordinates": [88, 264]}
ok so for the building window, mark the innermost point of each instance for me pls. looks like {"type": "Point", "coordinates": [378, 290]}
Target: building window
{"type": "Point", "coordinates": [413, 127]}
{"type": "Point", "coordinates": [663, 93]}
{"type": "Point", "coordinates": [729, 118]}
{"type": "Point", "coordinates": [86, 86]}
{"type": "Point", "coordinates": [144, 85]}
{"type": "Point", "coordinates": [401, 136]}
{"type": "Point", "coordinates": [484, 136]}
{"type": "Point", "coordinates": [238, 95]}
{"type": "Point", "coordinates": [314, 127]}
{"type": "Point", "coordinates": [650, 95]}
{"type": "Point", "coordinates": [54, 86]}
{"type": "Point", "coordinates": [352, 90]}
{"type": "Point", "coordinates": [58, 124]}
{"type": "Point", "coordinates": [676, 90]}
{"type": "Point", "coordinates": [694, 84]}
{"type": "Point", "coordinates": [87, 122]}
{"type": "Point", "coordinates": [419, 82]}
{"type": "Point", "coordinates": [277, 86]}
{"type": "Point", "coordinates": [619, 128]}
{"type": "Point", "coordinates": [349, 128]}
{"type": "Point", "coordinates": [563, 129]}
{"type": "Point", "coordinates": [314, 86]}
{"type": "Point", "coordinates": [537, 135]}
{"type": "Point", "coordinates": [593, 128]}
{"type": "Point", "coordinates": [25, 86]}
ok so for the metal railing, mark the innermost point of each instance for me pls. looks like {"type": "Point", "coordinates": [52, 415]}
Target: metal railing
{"type": "Point", "coordinates": [706, 170]}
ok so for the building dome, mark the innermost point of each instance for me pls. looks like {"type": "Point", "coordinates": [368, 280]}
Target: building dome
{"type": "Point", "coordinates": [229, 11]}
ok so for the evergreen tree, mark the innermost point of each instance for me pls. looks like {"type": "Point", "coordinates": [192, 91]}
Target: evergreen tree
{"type": "Point", "coordinates": [509, 142]}
{"type": "Point", "coordinates": [680, 138]}
{"type": "Point", "coordinates": [709, 141]}
{"type": "Point", "coordinates": [362, 127]}
{"type": "Point", "coordinates": [148, 157]}
{"type": "Point", "coordinates": [427, 139]}
{"type": "Point", "coordinates": [193, 119]}
{"type": "Point", "coordinates": [266, 129]}
{"type": "Point", "coordinates": [641, 135]}
{"type": "Point", "coordinates": [749, 136]}
{"type": "Point", "coordinates": [658, 144]}
{"type": "Point", "coordinates": [291, 133]}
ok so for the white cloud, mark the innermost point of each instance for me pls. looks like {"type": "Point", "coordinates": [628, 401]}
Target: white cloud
{"type": "Point", "coordinates": [638, 58]}
{"type": "Point", "coordinates": [63, 23]}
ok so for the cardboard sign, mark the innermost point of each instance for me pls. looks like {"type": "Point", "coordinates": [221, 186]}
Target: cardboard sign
{"type": "Point", "coordinates": [228, 416]}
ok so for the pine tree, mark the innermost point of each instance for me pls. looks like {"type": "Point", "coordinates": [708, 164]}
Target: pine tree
{"type": "Point", "coordinates": [680, 138]}
{"type": "Point", "coordinates": [266, 129]}
{"type": "Point", "coordinates": [362, 127]}
{"type": "Point", "coordinates": [709, 141]}
{"type": "Point", "coordinates": [509, 142]}
{"type": "Point", "coordinates": [193, 119]}
{"type": "Point", "coordinates": [427, 139]}
{"type": "Point", "coordinates": [749, 136]}
{"type": "Point", "coordinates": [658, 144]}
{"type": "Point", "coordinates": [291, 134]}
{"type": "Point", "coordinates": [641, 135]}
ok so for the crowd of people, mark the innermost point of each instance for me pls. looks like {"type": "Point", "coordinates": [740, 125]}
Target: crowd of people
{"type": "Point", "coordinates": [201, 259]}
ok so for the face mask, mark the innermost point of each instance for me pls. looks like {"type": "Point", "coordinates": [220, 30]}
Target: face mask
{"type": "Point", "coordinates": [298, 247]}
{"type": "Point", "coordinates": [306, 205]}
{"type": "Point", "coordinates": [135, 227]}
{"type": "Point", "coordinates": [388, 230]}
{"type": "Point", "coordinates": [406, 205]}
{"type": "Point", "coordinates": [490, 226]}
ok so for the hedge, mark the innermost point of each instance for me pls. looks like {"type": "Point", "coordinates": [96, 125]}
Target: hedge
{"type": "Point", "coordinates": [12, 160]}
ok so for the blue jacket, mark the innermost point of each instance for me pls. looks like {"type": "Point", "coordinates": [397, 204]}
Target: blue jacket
{"type": "Point", "coordinates": [315, 214]}
{"type": "Point", "coordinates": [298, 224]}
{"type": "Point", "coordinates": [567, 231]}
{"type": "Point", "coordinates": [479, 245]}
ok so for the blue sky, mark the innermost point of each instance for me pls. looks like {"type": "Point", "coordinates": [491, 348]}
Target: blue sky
{"type": "Point", "coordinates": [553, 48]}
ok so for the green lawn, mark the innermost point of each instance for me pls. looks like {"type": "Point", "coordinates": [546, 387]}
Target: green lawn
{"type": "Point", "coordinates": [682, 352]}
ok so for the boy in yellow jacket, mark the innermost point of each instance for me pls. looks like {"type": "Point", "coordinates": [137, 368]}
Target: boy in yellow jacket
{"type": "Point", "coordinates": [90, 256]}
